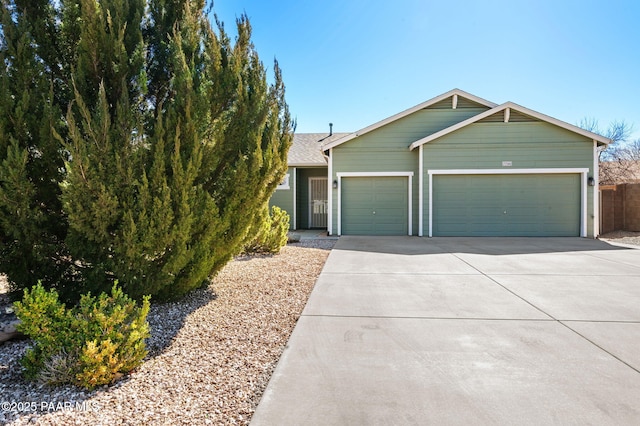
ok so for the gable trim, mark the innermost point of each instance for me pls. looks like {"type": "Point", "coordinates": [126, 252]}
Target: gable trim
{"type": "Point", "coordinates": [508, 106]}
{"type": "Point", "coordinates": [455, 93]}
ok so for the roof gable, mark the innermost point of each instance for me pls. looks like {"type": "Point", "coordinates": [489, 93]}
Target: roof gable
{"type": "Point", "coordinates": [521, 113]}
{"type": "Point", "coordinates": [452, 99]}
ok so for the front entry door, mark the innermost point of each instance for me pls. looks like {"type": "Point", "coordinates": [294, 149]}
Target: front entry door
{"type": "Point", "coordinates": [317, 202]}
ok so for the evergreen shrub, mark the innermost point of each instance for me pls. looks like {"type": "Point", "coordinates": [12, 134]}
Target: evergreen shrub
{"type": "Point", "coordinates": [269, 234]}
{"type": "Point", "coordinates": [138, 139]}
{"type": "Point", "coordinates": [92, 344]}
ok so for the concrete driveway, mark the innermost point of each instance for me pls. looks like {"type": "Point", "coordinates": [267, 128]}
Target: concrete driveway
{"type": "Point", "coordinates": [407, 330]}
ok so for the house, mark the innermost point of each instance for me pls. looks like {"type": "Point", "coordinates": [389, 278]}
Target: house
{"type": "Point", "coordinates": [455, 165]}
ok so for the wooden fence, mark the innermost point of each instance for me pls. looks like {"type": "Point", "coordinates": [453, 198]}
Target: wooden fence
{"type": "Point", "coordinates": [620, 207]}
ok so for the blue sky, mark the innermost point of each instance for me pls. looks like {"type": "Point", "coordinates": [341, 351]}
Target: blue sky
{"type": "Point", "coordinates": [354, 62]}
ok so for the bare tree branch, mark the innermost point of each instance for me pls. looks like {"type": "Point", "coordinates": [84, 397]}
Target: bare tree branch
{"type": "Point", "coordinates": [620, 161]}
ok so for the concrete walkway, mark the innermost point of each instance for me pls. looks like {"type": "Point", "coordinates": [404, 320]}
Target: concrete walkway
{"type": "Point", "coordinates": [448, 331]}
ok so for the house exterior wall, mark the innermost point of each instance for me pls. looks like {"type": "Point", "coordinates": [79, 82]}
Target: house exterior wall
{"type": "Point", "coordinates": [298, 186]}
{"type": "Point", "coordinates": [526, 145]}
{"type": "Point", "coordinates": [387, 150]}
{"type": "Point", "coordinates": [284, 198]}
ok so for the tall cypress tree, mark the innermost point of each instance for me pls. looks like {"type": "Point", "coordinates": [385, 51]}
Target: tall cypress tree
{"type": "Point", "coordinates": [171, 139]}
{"type": "Point", "coordinates": [33, 226]}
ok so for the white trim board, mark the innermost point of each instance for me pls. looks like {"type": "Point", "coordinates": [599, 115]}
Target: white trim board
{"type": "Point", "coordinates": [408, 175]}
{"type": "Point", "coordinates": [510, 106]}
{"type": "Point", "coordinates": [295, 198]}
{"type": "Point", "coordinates": [596, 190]}
{"type": "Point", "coordinates": [423, 105]}
{"type": "Point", "coordinates": [420, 191]}
{"type": "Point", "coordinates": [583, 186]}
{"type": "Point", "coordinates": [330, 194]}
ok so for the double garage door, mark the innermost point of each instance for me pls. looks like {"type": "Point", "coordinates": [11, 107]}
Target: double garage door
{"type": "Point", "coordinates": [467, 205]}
{"type": "Point", "coordinates": [506, 205]}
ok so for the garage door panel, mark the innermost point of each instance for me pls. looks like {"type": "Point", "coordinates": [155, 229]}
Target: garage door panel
{"type": "Point", "coordinates": [506, 205]}
{"type": "Point", "coordinates": [392, 198]}
{"type": "Point", "coordinates": [374, 206]}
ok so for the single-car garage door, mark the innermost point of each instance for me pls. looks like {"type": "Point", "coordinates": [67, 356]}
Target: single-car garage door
{"type": "Point", "coordinates": [506, 205]}
{"type": "Point", "coordinates": [374, 206]}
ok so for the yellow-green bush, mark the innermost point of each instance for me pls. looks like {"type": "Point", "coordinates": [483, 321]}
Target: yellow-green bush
{"type": "Point", "coordinates": [89, 345]}
{"type": "Point", "coordinates": [269, 234]}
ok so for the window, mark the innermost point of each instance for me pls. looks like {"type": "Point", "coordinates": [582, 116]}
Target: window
{"type": "Point", "coordinates": [285, 183]}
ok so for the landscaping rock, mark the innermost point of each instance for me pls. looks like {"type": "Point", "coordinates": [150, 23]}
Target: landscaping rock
{"type": "Point", "coordinates": [8, 330]}
{"type": "Point", "coordinates": [211, 353]}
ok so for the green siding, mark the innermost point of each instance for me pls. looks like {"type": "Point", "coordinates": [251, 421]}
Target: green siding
{"type": "Point", "coordinates": [283, 198]}
{"type": "Point", "coordinates": [387, 149]}
{"type": "Point", "coordinates": [405, 131]}
{"type": "Point", "coordinates": [506, 205]}
{"type": "Point", "coordinates": [525, 144]}
{"type": "Point", "coordinates": [374, 206]}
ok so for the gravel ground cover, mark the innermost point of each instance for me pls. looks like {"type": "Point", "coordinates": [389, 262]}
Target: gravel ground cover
{"type": "Point", "coordinates": [624, 237]}
{"type": "Point", "coordinates": [211, 354]}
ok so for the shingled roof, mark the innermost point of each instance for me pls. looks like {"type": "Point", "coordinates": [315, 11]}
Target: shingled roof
{"type": "Point", "coordinates": [306, 149]}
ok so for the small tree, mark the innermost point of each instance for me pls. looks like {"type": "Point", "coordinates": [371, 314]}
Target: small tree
{"type": "Point", "coordinates": [33, 226]}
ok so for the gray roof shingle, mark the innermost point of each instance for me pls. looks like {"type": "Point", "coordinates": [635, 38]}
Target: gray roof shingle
{"type": "Point", "coordinates": [306, 149]}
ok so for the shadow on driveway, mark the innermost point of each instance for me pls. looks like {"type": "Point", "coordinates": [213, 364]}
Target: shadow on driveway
{"type": "Point", "coordinates": [476, 245]}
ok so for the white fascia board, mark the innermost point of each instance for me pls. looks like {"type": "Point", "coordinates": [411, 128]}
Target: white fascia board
{"type": "Point", "coordinates": [558, 123]}
{"type": "Point", "coordinates": [474, 98]}
{"type": "Point", "coordinates": [511, 106]}
{"type": "Point", "coordinates": [339, 141]}
{"type": "Point", "coordinates": [307, 165]}
{"type": "Point", "coordinates": [455, 127]}
{"type": "Point", "coordinates": [407, 112]}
